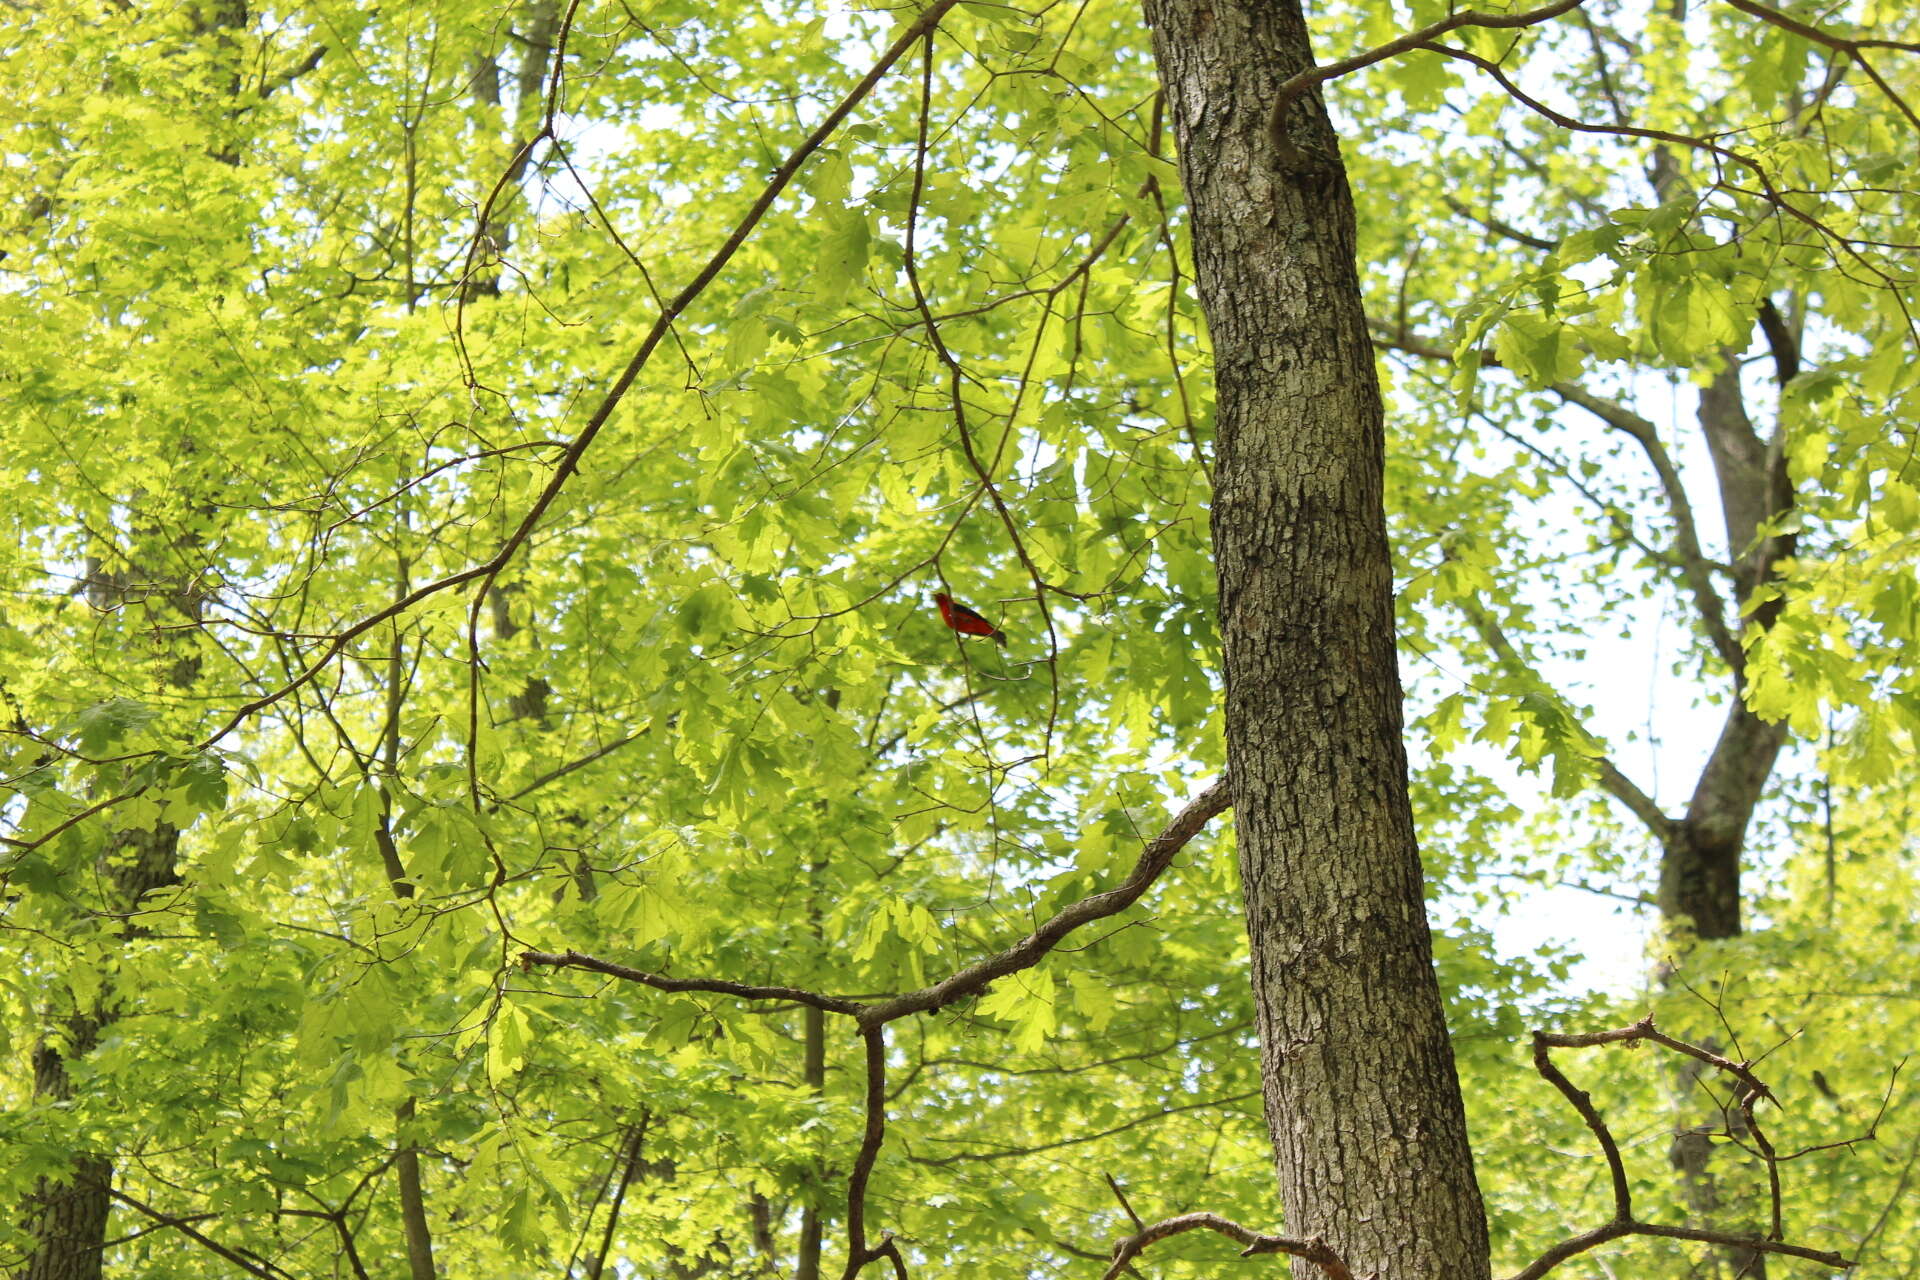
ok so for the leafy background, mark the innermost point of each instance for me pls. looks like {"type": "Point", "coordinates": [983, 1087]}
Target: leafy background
{"type": "Point", "coordinates": [304, 305]}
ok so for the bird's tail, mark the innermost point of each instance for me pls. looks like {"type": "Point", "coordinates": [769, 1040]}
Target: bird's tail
{"type": "Point", "coordinates": [999, 638]}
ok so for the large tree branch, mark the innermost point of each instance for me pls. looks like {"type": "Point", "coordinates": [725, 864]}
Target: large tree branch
{"type": "Point", "coordinates": [874, 1133]}
{"type": "Point", "coordinates": [250, 1263]}
{"type": "Point", "coordinates": [970, 981]}
{"type": "Point", "coordinates": [975, 978]}
{"type": "Point", "coordinates": [709, 986]}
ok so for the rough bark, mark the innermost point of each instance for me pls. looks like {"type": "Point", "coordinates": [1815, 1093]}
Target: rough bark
{"type": "Point", "coordinates": [1703, 851]}
{"type": "Point", "coordinates": [68, 1218]}
{"type": "Point", "coordinates": [1361, 1095]}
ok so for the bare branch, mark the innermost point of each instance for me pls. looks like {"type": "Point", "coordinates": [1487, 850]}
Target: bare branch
{"type": "Point", "coordinates": [1314, 1250]}
{"type": "Point", "coordinates": [1582, 1102]}
{"type": "Point", "coordinates": [252, 1265]}
{"type": "Point", "coordinates": [1638, 803]}
{"type": "Point", "coordinates": [1499, 228]}
{"type": "Point", "coordinates": [553, 775]}
{"type": "Point", "coordinates": [1752, 1089]}
{"type": "Point", "coordinates": [1149, 1117]}
{"type": "Point", "coordinates": [858, 1254]}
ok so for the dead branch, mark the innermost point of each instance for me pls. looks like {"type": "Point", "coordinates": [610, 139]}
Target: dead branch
{"type": "Point", "coordinates": [1751, 1091]}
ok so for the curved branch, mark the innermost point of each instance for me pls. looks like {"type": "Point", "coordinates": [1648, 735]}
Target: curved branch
{"type": "Point", "coordinates": [1694, 563]}
{"type": "Point", "coordinates": [1623, 1222]}
{"type": "Point", "coordinates": [1314, 1250]}
{"type": "Point", "coordinates": [1296, 85]}
{"type": "Point", "coordinates": [975, 978]}
{"type": "Point", "coordinates": [875, 1132]}
{"type": "Point", "coordinates": [970, 981]}
{"type": "Point", "coordinates": [254, 1266]}
{"type": "Point", "coordinates": [711, 986]}
{"type": "Point", "coordinates": [1012, 1153]}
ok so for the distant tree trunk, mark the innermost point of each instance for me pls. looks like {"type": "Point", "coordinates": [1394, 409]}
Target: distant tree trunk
{"type": "Point", "coordinates": [67, 1216]}
{"type": "Point", "coordinates": [68, 1219]}
{"type": "Point", "coordinates": [1361, 1096]}
{"type": "Point", "coordinates": [1704, 849]}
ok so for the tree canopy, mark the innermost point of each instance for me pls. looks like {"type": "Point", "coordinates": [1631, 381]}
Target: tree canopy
{"type": "Point", "coordinates": [480, 744]}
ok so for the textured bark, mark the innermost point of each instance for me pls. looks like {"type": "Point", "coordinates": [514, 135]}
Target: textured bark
{"type": "Point", "coordinates": [71, 1222]}
{"type": "Point", "coordinates": [1361, 1095]}
{"type": "Point", "coordinates": [68, 1218]}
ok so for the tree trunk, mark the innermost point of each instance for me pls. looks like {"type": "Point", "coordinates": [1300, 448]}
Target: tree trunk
{"type": "Point", "coordinates": [1361, 1096]}
{"type": "Point", "coordinates": [69, 1218]}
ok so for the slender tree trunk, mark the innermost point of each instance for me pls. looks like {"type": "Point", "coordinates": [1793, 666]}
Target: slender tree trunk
{"type": "Point", "coordinates": [1361, 1096]}
{"type": "Point", "coordinates": [414, 1225]}
{"type": "Point", "coordinates": [814, 1068]}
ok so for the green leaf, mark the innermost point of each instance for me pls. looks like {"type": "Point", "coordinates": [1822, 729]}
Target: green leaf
{"type": "Point", "coordinates": [104, 724]}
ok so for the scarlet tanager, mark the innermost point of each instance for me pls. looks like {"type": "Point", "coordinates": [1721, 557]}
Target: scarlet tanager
{"type": "Point", "coordinates": [965, 620]}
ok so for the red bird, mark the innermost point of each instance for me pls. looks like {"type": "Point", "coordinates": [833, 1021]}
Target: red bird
{"type": "Point", "coordinates": [965, 620]}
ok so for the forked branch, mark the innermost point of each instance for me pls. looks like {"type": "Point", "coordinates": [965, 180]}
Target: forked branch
{"type": "Point", "coordinates": [1751, 1090]}
{"type": "Point", "coordinates": [1312, 77]}
{"type": "Point", "coordinates": [872, 1018]}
